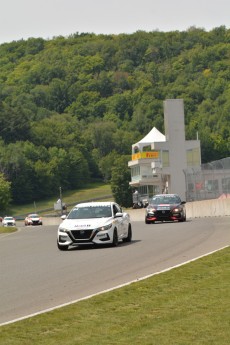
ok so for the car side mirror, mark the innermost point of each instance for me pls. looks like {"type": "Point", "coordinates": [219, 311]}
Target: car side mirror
{"type": "Point", "coordinates": [63, 217]}
{"type": "Point", "coordinates": [118, 214]}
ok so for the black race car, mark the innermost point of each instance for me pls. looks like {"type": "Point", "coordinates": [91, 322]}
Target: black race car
{"type": "Point", "coordinates": [165, 207]}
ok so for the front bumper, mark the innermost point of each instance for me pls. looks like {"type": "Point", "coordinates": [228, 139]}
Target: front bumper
{"type": "Point", "coordinates": [163, 216]}
{"type": "Point", "coordinates": [84, 237]}
{"type": "Point", "coordinates": [35, 222]}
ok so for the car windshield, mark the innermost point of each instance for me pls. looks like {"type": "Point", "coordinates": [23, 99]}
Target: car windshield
{"type": "Point", "coordinates": [167, 199]}
{"type": "Point", "coordinates": [87, 212]}
{"type": "Point", "coordinates": [33, 215]}
{"type": "Point", "coordinates": [8, 218]}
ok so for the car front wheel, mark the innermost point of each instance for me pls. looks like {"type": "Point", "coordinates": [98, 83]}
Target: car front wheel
{"type": "Point", "coordinates": [183, 219]}
{"type": "Point", "coordinates": [147, 221]}
{"type": "Point", "coordinates": [115, 238]}
{"type": "Point", "coordinates": [129, 237]}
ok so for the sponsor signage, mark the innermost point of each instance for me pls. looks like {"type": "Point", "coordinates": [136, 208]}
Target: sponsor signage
{"type": "Point", "coordinates": [144, 155]}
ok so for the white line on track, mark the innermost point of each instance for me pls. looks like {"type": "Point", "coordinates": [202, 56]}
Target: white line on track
{"type": "Point", "coordinates": [108, 290]}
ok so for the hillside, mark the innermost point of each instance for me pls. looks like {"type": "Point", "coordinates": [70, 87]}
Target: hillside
{"type": "Point", "coordinates": [71, 106]}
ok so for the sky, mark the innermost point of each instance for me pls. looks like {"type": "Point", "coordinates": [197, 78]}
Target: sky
{"type": "Point", "coordinates": [23, 19]}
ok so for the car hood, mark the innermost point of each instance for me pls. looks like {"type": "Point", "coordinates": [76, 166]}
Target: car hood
{"type": "Point", "coordinates": [78, 224]}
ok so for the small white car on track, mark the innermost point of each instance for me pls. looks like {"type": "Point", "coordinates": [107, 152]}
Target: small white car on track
{"type": "Point", "coordinates": [33, 219]}
{"type": "Point", "coordinates": [8, 221]}
{"type": "Point", "coordinates": [94, 223]}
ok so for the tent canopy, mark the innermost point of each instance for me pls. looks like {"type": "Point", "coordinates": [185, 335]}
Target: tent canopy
{"type": "Point", "coordinates": [153, 136]}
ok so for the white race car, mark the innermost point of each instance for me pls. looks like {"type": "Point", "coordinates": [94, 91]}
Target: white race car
{"type": "Point", "coordinates": [8, 221]}
{"type": "Point", "coordinates": [94, 223]}
{"type": "Point", "coordinates": [33, 219]}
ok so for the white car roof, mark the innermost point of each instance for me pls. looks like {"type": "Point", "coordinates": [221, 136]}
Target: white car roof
{"type": "Point", "coordinates": [95, 203]}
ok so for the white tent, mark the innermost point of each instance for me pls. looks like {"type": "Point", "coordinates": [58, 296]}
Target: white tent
{"type": "Point", "coordinates": [153, 136]}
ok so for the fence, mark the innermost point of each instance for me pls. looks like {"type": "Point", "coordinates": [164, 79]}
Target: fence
{"type": "Point", "coordinates": [210, 181]}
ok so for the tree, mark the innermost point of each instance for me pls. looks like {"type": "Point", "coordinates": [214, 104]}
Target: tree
{"type": "Point", "coordinates": [19, 169]}
{"type": "Point", "coordinates": [101, 134]}
{"type": "Point", "coordinates": [106, 165]}
{"type": "Point", "coordinates": [78, 168]}
{"type": "Point", "coordinates": [122, 191]}
{"type": "Point", "coordinates": [14, 122]}
{"type": "Point", "coordinates": [57, 130]}
{"type": "Point", "coordinates": [5, 192]}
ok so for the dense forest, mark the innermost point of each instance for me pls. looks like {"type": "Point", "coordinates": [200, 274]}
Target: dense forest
{"type": "Point", "coordinates": [71, 107]}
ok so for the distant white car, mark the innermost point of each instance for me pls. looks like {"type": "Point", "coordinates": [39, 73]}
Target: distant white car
{"type": "Point", "coordinates": [8, 221]}
{"type": "Point", "coordinates": [33, 219]}
{"type": "Point", "coordinates": [94, 223]}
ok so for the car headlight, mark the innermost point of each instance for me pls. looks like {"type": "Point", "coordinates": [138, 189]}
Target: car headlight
{"type": "Point", "coordinates": [62, 230]}
{"type": "Point", "coordinates": [105, 227]}
{"type": "Point", "coordinates": [151, 210]}
{"type": "Point", "coordinates": [177, 209]}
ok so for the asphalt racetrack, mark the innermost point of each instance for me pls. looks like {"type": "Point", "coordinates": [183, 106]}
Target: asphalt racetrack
{"type": "Point", "coordinates": [35, 275]}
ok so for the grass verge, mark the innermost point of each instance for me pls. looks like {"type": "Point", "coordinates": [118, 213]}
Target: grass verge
{"type": "Point", "coordinates": [7, 229]}
{"type": "Point", "coordinates": [90, 191]}
{"type": "Point", "coordinates": [187, 305]}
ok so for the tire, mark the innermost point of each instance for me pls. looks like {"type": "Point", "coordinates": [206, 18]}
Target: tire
{"type": "Point", "coordinates": [129, 237]}
{"type": "Point", "coordinates": [63, 248]}
{"type": "Point", "coordinates": [147, 221]}
{"type": "Point", "coordinates": [115, 238]}
{"type": "Point", "coordinates": [183, 219]}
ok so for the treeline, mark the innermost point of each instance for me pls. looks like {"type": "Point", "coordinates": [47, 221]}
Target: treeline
{"type": "Point", "coordinates": [71, 107]}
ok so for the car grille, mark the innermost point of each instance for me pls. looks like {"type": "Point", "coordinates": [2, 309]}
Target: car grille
{"type": "Point", "coordinates": [81, 234]}
{"type": "Point", "coordinates": [163, 214]}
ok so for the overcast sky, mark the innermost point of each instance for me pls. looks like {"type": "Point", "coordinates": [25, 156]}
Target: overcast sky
{"type": "Point", "coordinates": [21, 19]}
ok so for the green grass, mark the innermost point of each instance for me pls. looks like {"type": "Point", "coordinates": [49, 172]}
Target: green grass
{"type": "Point", "coordinates": [8, 229]}
{"type": "Point", "coordinates": [90, 191]}
{"type": "Point", "coordinates": [185, 306]}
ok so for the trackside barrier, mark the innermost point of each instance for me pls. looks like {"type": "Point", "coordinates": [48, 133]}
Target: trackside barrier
{"type": "Point", "coordinates": [208, 208]}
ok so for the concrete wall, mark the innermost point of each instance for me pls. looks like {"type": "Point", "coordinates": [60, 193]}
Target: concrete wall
{"type": "Point", "coordinates": [208, 208]}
